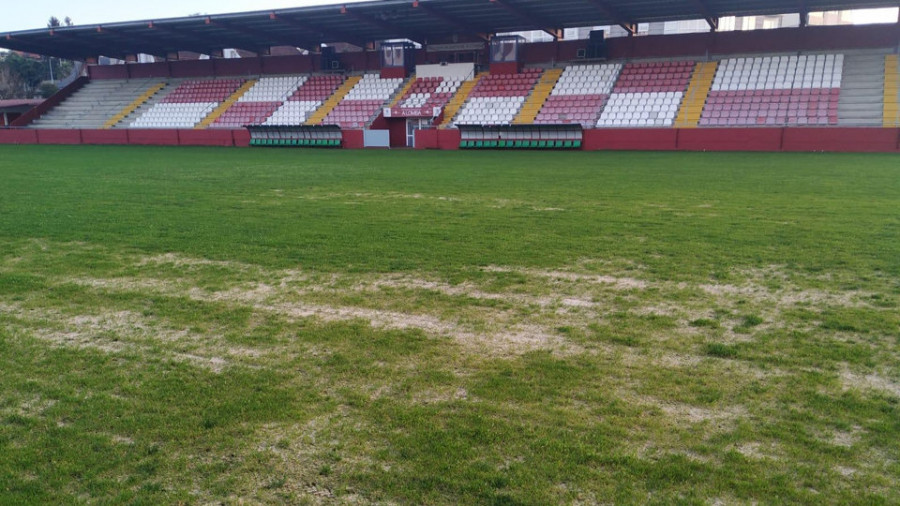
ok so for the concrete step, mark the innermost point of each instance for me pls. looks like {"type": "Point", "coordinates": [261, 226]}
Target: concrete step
{"type": "Point", "coordinates": [862, 90]}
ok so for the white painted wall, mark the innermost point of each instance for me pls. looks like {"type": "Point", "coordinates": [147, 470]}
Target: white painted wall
{"type": "Point", "coordinates": [451, 71]}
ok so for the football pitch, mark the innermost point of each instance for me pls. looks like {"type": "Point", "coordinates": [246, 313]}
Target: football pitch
{"type": "Point", "coordinates": [242, 326]}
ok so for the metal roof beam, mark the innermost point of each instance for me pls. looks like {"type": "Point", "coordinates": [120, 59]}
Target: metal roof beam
{"type": "Point", "coordinates": [803, 9]}
{"type": "Point", "coordinates": [712, 19]}
{"type": "Point", "coordinates": [259, 35]}
{"type": "Point", "coordinates": [193, 44]}
{"type": "Point", "coordinates": [86, 48]}
{"type": "Point", "coordinates": [528, 17]}
{"type": "Point", "coordinates": [31, 46]}
{"type": "Point", "coordinates": [383, 25]}
{"type": "Point", "coordinates": [616, 16]}
{"type": "Point", "coordinates": [452, 20]}
{"type": "Point", "coordinates": [343, 36]}
{"type": "Point", "coordinates": [126, 36]}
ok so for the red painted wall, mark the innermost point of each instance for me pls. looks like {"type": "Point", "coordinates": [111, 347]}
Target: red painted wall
{"type": "Point", "coordinates": [362, 60]}
{"type": "Point", "coordinates": [237, 66]}
{"type": "Point", "coordinates": [505, 68]}
{"type": "Point", "coordinates": [638, 139]}
{"type": "Point", "coordinates": [148, 70]}
{"type": "Point", "coordinates": [193, 68]}
{"type": "Point", "coordinates": [104, 136]}
{"type": "Point", "coordinates": [449, 139]}
{"type": "Point", "coordinates": [393, 73]}
{"type": "Point", "coordinates": [427, 139]}
{"type": "Point", "coordinates": [861, 140]}
{"type": "Point", "coordinates": [844, 140]}
{"type": "Point", "coordinates": [725, 139]}
{"type": "Point", "coordinates": [353, 139]}
{"type": "Point", "coordinates": [241, 138]}
{"type": "Point", "coordinates": [397, 132]}
{"type": "Point", "coordinates": [18, 136]}
{"type": "Point", "coordinates": [108, 71]}
{"type": "Point", "coordinates": [153, 137]}
{"type": "Point", "coordinates": [295, 64]}
{"type": "Point", "coordinates": [210, 137]}
{"type": "Point", "coordinates": [858, 140]}
{"type": "Point", "coordinates": [59, 136]}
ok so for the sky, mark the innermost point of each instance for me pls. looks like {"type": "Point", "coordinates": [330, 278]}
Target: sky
{"type": "Point", "coordinates": [31, 14]}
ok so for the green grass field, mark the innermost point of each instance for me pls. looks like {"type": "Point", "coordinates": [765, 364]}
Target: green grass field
{"type": "Point", "coordinates": [289, 326]}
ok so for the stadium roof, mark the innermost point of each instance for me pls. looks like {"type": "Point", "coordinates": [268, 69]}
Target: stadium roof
{"type": "Point", "coordinates": [360, 23]}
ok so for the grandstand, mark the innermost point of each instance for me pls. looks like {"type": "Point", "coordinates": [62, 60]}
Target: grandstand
{"type": "Point", "coordinates": [807, 88]}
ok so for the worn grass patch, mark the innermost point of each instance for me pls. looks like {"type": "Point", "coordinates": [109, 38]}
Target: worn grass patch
{"type": "Point", "coordinates": [251, 326]}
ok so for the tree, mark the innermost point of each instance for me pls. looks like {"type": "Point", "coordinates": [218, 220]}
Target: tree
{"type": "Point", "coordinates": [22, 77]}
{"type": "Point", "coordinates": [53, 22]}
{"type": "Point", "coordinates": [48, 89]}
{"type": "Point", "coordinates": [69, 21]}
{"type": "Point", "coordinates": [11, 84]}
{"type": "Point", "coordinates": [32, 72]}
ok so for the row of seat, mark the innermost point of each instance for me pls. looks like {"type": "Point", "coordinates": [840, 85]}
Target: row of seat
{"type": "Point", "coordinates": [796, 89]}
{"type": "Point", "coordinates": [174, 115]}
{"type": "Point", "coordinates": [563, 109]}
{"type": "Point", "coordinates": [660, 77]}
{"type": "Point", "coordinates": [293, 112]}
{"type": "Point", "coordinates": [490, 110]}
{"type": "Point", "coordinates": [317, 88]}
{"type": "Point", "coordinates": [373, 87]}
{"type": "Point", "coordinates": [775, 91]}
{"type": "Point", "coordinates": [587, 80]}
{"type": "Point", "coordinates": [788, 72]}
{"type": "Point", "coordinates": [245, 113]}
{"type": "Point", "coordinates": [314, 143]}
{"type": "Point", "coordinates": [507, 144]}
{"type": "Point", "coordinates": [429, 93]}
{"type": "Point", "coordinates": [363, 102]}
{"type": "Point", "coordinates": [579, 95]}
{"type": "Point", "coordinates": [273, 89]}
{"type": "Point", "coordinates": [507, 85]}
{"type": "Point", "coordinates": [203, 91]}
{"type": "Point", "coordinates": [641, 110]}
{"type": "Point", "coordinates": [498, 98]}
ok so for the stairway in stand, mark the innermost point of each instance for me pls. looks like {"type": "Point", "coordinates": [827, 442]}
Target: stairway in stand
{"type": "Point", "coordinates": [538, 96]}
{"type": "Point", "coordinates": [458, 100]}
{"type": "Point", "coordinates": [697, 93]}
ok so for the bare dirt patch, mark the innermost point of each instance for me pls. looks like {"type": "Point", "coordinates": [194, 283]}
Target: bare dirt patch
{"type": "Point", "coordinates": [112, 332]}
{"type": "Point", "coordinates": [623, 283]}
{"type": "Point", "coordinates": [872, 381]}
{"type": "Point", "coordinates": [179, 260]}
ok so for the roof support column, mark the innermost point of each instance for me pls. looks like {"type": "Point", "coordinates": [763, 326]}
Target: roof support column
{"type": "Point", "coordinates": [556, 33]}
{"type": "Point", "coordinates": [711, 17]}
{"type": "Point", "coordinates": [621, 20]}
